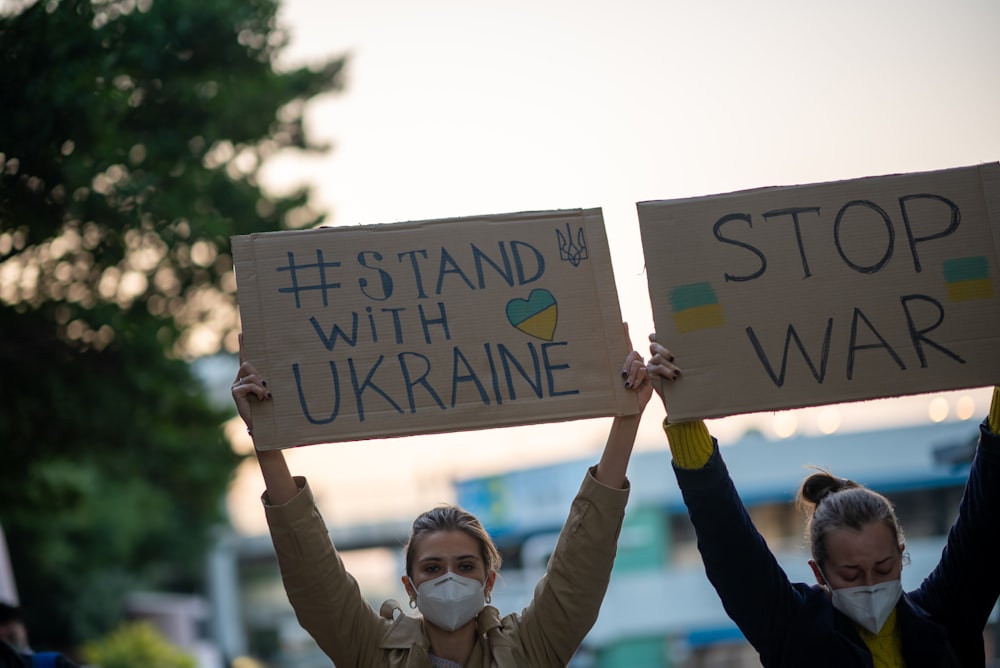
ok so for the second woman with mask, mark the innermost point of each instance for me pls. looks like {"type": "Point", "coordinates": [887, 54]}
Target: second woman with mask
{"type": "Point", "coordinates": [856, 615]}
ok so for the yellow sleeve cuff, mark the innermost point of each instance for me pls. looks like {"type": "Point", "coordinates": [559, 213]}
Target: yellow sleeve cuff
{"type": "Point", "coordinates": [994, 419]}
{"type": "Point", "coordinates": [690, 443]}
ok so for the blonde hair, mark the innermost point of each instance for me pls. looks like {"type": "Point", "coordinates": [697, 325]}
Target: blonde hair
{"type": "Point", "coordinates": [452, 518]}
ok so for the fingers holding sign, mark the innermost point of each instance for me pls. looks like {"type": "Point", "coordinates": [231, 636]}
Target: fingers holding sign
{"type": "Point", "coordinates": [248, 383]}
{"type": "Point", "coordinates": [661, 362]}
{"type": "Point", "coordinates": [661, 366]}
{"type": "Point", "coordinates": [635, 375]}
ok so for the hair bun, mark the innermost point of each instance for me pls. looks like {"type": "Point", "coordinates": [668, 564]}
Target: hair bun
{"type": "Point", "coordinates": [819, 485]}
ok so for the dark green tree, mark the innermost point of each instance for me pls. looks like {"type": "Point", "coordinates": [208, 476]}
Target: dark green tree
{"type": "Point", "coordinates": [132, 134]}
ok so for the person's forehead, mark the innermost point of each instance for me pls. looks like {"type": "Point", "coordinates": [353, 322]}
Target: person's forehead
{"type": "Point", "coordinates": [873, 542]}
{"type": "Point", "coordinates": [447, 545]}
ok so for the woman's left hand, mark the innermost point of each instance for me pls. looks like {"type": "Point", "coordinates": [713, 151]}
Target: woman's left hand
{"type": "Point", "coordinates": [636, 378]}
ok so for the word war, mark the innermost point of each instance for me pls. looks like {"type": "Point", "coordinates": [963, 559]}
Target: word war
{"type": "Point", "coordinates": [863, 338]}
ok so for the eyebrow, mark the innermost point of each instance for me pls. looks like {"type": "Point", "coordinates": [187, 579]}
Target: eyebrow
{"type": "Point", "coordinates": [877, 563]}
{"type": "Point", "coordinates": [463, 557]}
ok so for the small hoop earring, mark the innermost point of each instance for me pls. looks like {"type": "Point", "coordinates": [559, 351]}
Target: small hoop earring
{"type": "Point", "coordinates": [413, 602]}
{"type": "Point", "coordinates": [489, 597]}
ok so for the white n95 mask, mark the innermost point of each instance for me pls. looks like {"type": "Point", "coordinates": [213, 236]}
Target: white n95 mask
{"type": "Point", "coordinates": [869, 606]}
{"type": "Point", "coordinates": [450, 601]}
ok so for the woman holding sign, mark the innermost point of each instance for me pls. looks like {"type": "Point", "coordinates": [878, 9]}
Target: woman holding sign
{"type": "Point", "coordinates": [857, 613]}
{"type": "Point", "coordinates": [451, 567]}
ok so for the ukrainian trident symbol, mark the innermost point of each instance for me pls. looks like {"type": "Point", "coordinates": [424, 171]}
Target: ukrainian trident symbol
{"type": "Point", "coordinates": [572, 250]}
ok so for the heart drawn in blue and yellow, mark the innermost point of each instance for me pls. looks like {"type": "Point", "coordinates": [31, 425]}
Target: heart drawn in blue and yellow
{"type": "Point", "coordinates": [535, 316]}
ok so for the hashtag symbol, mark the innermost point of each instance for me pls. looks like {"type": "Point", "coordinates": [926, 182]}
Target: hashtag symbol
{"type": "Point", "coordinates": [306, 270]}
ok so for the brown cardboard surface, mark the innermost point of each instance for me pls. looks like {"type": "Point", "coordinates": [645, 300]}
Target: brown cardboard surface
{"type": "Point", "coordinates": [794, 296]}
{"type": "Point", "coordinates": [431, 326]}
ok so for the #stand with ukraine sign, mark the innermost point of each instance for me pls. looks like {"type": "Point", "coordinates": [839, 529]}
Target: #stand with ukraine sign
{"type": "Point", "coordinates": [431, 326]}
{"type": "Point", "coordinates": [795, 296]}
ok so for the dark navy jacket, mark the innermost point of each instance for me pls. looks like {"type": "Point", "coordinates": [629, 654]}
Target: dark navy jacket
{"type": "Point", "coordinates": [792, 625]}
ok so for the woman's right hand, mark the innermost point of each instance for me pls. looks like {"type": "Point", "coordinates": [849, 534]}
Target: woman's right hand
{"type": "Point", "coordinates": [248, 384]}
{"type": "Point", "coordinates": [660, 366]}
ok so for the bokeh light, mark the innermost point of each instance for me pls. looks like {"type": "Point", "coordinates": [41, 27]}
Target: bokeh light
{"type": "Point", "coordinates": [938, 409]}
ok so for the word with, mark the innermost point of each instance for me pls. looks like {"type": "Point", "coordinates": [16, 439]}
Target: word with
{"type": "Point", "coordinates": [329, 338]}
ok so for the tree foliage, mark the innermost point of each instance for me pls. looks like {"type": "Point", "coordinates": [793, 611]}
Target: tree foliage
{"type": "Point", "coordinates": [132, 135]}
{"type": "Point", "coordinates": [136, 644]}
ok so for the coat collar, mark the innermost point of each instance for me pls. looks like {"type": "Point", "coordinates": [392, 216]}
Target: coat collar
{"type": "Point", "coordinates": [405, 632]}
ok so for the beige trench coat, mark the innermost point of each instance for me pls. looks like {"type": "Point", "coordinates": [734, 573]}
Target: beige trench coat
{"type": "Point", "coordinates": [547, 633]}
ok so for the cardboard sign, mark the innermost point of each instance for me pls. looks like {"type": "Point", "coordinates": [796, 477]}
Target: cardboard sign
{"type": "Point", "coordinates": [798, 296]}
{"type": "Point", "coordinates": [431, 326]}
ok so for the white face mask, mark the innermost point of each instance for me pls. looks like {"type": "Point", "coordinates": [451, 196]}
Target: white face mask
{"type": "Point", "coordinates": [869, 607]}
{"type": "Point", "coordinates": [450, 601]}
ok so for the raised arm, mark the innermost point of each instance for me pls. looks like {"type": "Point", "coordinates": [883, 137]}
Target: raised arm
{"type": "Point", "coordinates": [325, 597]}
{"type": "Point", "coordinates": [737, 560]}
{"type": "Point", "coordinates": [568, 599]}
{"type": "Point", "coordinates": [249, 386]}
{"type": "Point", "coordinates": [613, 465]}
{"type": "Point", "coordinates": [690, 443]}
{"type": "Point", "coordinates": [965, 584]}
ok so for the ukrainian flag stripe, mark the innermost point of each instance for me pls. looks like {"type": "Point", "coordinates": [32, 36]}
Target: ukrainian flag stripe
{"type": "Point", "coordinates": [966, 269]}
{"type": "Point", "coordinates": [963, 291]}
{"type": "Point", "coordinates": [692, 295]}
{"type": "Point", "coordinates": [699, 317]}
